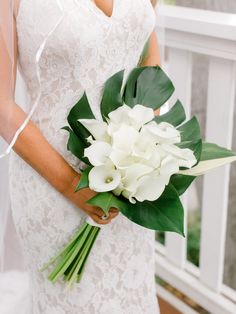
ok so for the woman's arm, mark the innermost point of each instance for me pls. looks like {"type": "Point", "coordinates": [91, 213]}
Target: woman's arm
{"type": "Point", "coordinates": [152, 56]}
{"type": "Point", "coordinates": [33, 147]}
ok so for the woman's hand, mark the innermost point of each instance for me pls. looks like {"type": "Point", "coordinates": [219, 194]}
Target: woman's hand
{"type": "Point", "coordinates": [79, 198]}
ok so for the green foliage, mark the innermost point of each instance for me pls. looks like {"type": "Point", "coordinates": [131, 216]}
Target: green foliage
{"type": "Point", "coordinates": [164, 214]}
{"type": "Point", "coordinates": [111, 98]}
{"type": "Point", "coordinates": [193, 237]}
{"type": "Point", "coordinates": [214, 151]}
{"type": "Point", "coordinates": [181, 182]}
{"type": "Point", "coordinates": [190, 130]}
{"type": "Point", "coordinates": [174, 116]}
{"type": "Point", "coordinates": [76, 145]}
{"type": "Point", "coordinates": [81, 110]}
{"type": "Point", "coordinates": [148, 86]}
{"type": "Point", "coordinates": [84, 180]}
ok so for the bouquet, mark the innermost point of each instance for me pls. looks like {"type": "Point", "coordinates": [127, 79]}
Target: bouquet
{"type": "Point", "coordinates": [136, 161]}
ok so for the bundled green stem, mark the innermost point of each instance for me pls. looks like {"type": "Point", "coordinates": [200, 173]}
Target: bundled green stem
{"type": "Point", "coordinates": [71, 260]}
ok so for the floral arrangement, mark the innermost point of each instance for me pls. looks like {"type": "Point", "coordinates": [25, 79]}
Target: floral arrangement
{"type": "Point", "coordinates": [136, 161]}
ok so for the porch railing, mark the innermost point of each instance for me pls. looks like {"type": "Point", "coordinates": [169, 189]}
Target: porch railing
{"type": "Point", "coordinates": [189, 31]}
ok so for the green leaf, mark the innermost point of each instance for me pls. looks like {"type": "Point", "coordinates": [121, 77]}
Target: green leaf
{"type": "Point", "coordinates": [105, 201]}
{"type": "Point", "coordinates": [81, 110]}
{"type": "Point", "coordinates": [111, 98]}
{"type": "Point", "coordinates": [131, 85]}
{"type": "Point", "coordinates": [214, 151]}
{"type": "Point", "coordinates": [75, 145]}
{"type": "Point", "coordinates": [149, 86]}
{"type": "Point", "coordinates": [164, 214]}
{"type": "Point", "coordinates": [84, 181]}
{"type": "Point", "coordinates": [181, 182]}
{"type": "Point", "coordinates": [190, 130]}
{"type": "Point", "coordinates": [174, 116]}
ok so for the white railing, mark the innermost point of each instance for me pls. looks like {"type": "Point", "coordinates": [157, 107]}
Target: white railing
{"type": "Point", "coordinates": [213, 34]}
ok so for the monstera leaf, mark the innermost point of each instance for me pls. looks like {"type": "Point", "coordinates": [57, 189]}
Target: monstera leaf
{"type": "Point", "coordinates": [111, 98]}
{"type": "Point", "coordinates": [174, 116]}
{"type": "Point", "coordinates": [81, 110]}
{"type": "Point", "coordinates": [164, 214]}
{"type": "Point", "coordinates": [148, 86]}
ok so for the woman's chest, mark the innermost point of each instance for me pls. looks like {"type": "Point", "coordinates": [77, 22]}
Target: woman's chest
{"type": "Point", "coordinates": [83, 20]}
{"type": "Point", "coordinates": [78, 32]}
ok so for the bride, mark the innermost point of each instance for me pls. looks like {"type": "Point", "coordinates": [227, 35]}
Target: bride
{"type": "Point", "coordinates": [63, 47]}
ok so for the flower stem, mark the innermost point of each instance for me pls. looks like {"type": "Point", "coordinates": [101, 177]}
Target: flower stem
{"type": "Point", "coordinates": [58, 272]}
{"type": "Point", "coordinates": [80, 272]}
{"type": "Point", "coordinates": [66, 249]}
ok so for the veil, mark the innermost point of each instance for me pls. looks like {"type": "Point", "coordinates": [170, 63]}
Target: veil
{"type": "Point", "coordinates": [14, 97]}
{"type": "Point", "coordinates": [13, 93]}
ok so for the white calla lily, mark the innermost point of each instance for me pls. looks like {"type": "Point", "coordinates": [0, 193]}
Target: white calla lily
{"type": "Point", "coordinates": [124, 138]}
{"type": "Point", "coordinates": [133, 173]}
{"type": "Point", "coordinates": [129, 195]}
{"type": "Point", "coordinates": [98, 153]}
{"type": "Point", "coordinates": [125, 162]}
{"type": "Point", "coordinates": [150, 187]}
{"type": "Point", "coordinates": [163, 132]}
{"type": "Point", "coordinates": [169, 166]}
{"type": "Point", "coordinates": [185, 156]}
{"type": "Point", "coordinates": [207, 165]}
{"type": "Point", "coordinates": [104, 178]}
{"type": "Point", "coordinates": [120, 115]}
{"type": "Point", "coordinates": [120, 158]}
{"type": "Point", "coordinates": [144, 146]}
{"type": "Point", "coordinates": [139, 115]}
{"type": "Point", "coordinates": [97, 128]}
{"type": "Point", "coordinates": [112, 127]}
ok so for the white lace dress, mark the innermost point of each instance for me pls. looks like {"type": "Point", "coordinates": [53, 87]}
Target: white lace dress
{"type": "Point", "coordinates": [84, 49]}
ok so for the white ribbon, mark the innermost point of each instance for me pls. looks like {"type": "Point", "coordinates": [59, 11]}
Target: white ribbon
{"type": "Point", "coordinates": [90, 221]}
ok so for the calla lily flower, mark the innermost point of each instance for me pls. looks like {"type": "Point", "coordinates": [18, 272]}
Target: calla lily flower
{"type": "Point", "coordinates": [124, 138]}
{"type": "Point", "coordinates": [139, 115]}
{"type": "Point", "coordinates": [144, 146]}
{"type": "Point", "coordinates": [97, 128]}
{"type": "Point", "coordinates": [120, 115]}
{"type": "Point", "coordinates": [98, 153]}
{"type": "Point", "coordinates": [169, 166]}
{"type": "Point", "coordinates": [133, 173]}
{"type": "Point", "coordinates": [163, 132]}
{"type": "Point", "coordinates": [185, 156]}
{"type": "Point", "coordinates": [150, 187]}
{"type": "Point", "coordinates": [104, 178]}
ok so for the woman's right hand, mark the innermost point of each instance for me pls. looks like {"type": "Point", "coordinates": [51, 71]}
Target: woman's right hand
{"type": "Point", "coordinates": [80, 197]}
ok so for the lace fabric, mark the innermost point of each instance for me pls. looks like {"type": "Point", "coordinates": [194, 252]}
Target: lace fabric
{"type": "Point", "coordinates": [83, 50]}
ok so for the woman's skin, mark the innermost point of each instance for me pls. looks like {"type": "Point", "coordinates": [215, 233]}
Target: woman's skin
{"type": "Point", "coordinates": [34, 148]}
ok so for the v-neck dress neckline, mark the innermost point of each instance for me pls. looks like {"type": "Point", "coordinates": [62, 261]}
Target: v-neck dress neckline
{"type": "Point", "coordinates": [100, 12]}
